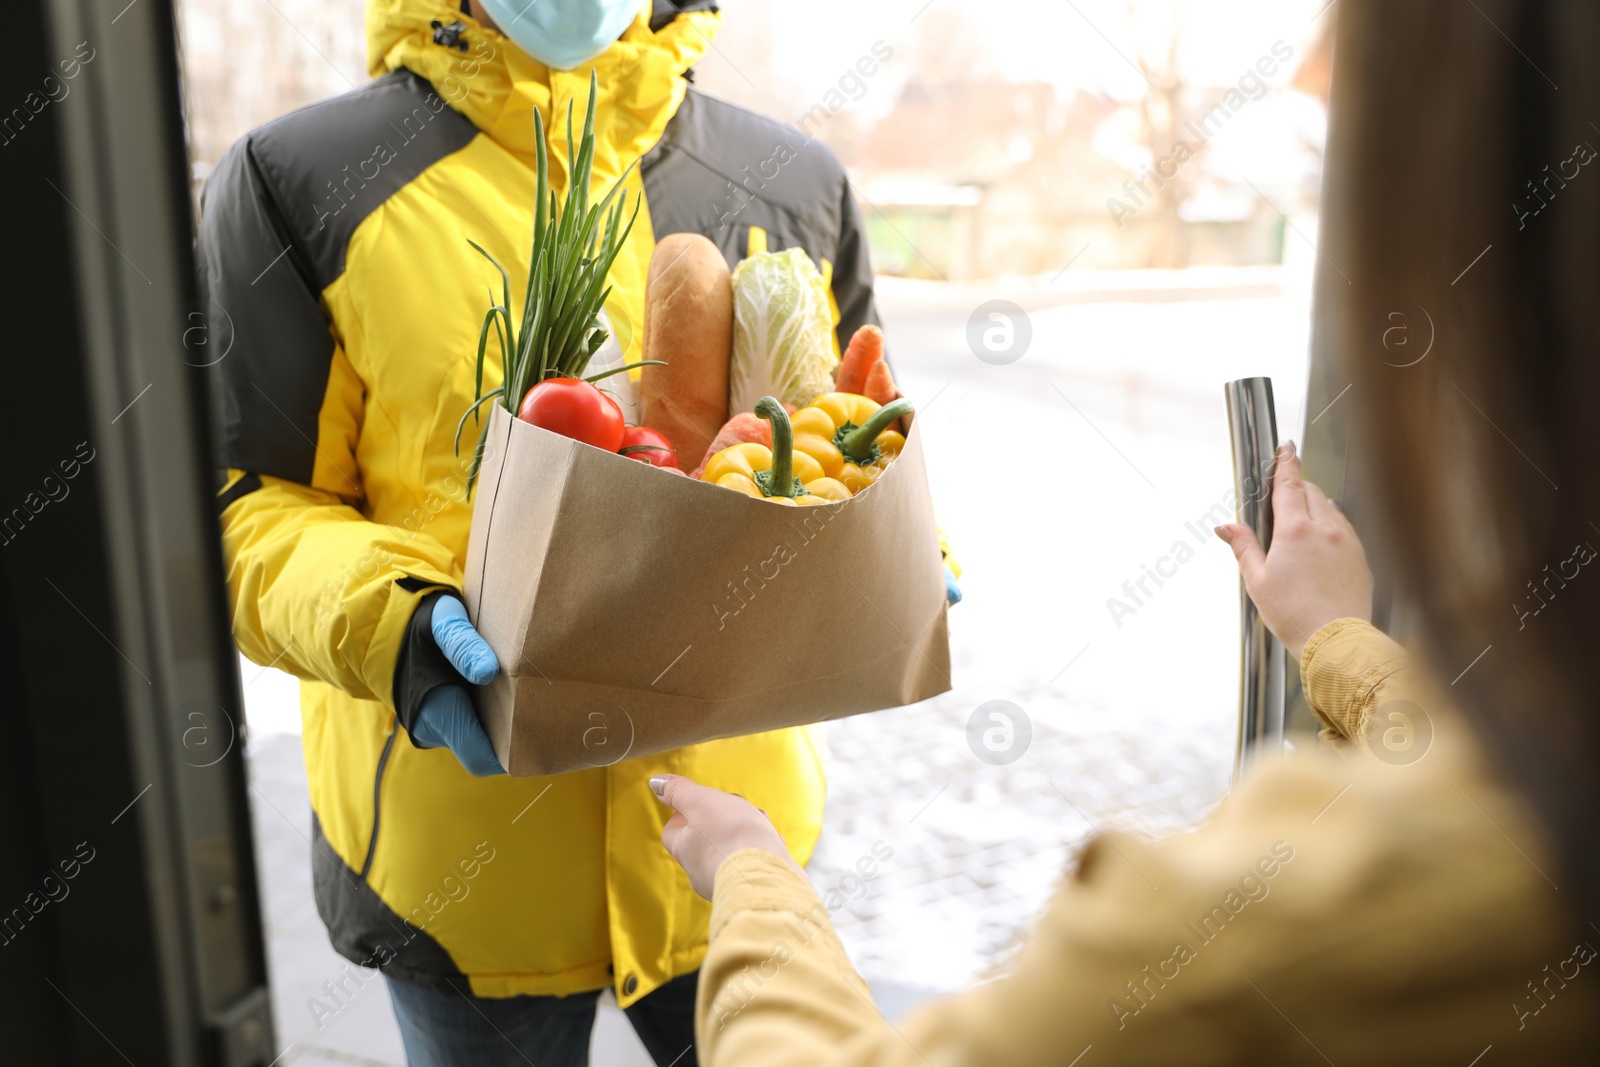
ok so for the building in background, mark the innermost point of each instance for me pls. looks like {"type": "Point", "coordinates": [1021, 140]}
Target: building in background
{"type": "Point", "coordinates": [964, 170]}
{"type": "Point", "coordinates": [968, 180]}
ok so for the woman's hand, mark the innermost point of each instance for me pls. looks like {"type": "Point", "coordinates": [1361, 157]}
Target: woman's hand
{"type": "Point", "coordinates": [708, 826]}
{"type": "Point", "coordinates": [1315, 571]}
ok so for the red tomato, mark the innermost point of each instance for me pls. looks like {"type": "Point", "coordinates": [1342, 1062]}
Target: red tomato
{"type": "Point", "coordinates": [650, 446]}
{"type": "Point", "coordinates": [574, 408]}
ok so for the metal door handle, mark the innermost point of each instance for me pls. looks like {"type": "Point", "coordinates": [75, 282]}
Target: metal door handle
{"type": "Point", "coordinates": [1253, 427]}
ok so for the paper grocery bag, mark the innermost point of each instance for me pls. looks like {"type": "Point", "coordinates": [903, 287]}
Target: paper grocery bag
{"type": "Point", "coordinates": [635, 611]}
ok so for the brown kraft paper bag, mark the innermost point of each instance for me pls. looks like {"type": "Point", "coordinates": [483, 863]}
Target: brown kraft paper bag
{"type": "Point", "coordinates": [634, 611]}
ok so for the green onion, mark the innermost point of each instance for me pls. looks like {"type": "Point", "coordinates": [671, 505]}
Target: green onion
{"type": "Point", "coordinates": [574, 245]}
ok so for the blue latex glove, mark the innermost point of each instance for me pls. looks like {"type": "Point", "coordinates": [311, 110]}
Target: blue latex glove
{"type": "Point", "coordinates": [952, 591]}
{"type": "Point", "coordinates": [447, 718]}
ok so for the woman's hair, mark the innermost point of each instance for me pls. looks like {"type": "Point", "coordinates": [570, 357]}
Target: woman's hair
{"type": "Point", "coordinates": [1463, 194]}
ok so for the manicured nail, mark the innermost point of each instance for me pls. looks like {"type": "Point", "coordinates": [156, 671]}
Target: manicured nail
{"type": "Point", "coordinates": [1289, 449]}
{"type": "Point", "coordinates": [1222, 532]}
{"type": "Point", "coordinates": [658, 786]}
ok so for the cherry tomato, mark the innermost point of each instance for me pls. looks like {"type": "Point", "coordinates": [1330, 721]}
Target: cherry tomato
{"type": "Point", "coordinates": [574, 408]}
{"type": "Point", "coordinates": [649, 446]}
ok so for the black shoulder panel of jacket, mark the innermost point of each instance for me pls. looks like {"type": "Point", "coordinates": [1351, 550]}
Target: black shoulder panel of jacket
{"type": "Point", "coordinates": [276, 217]}
{"type": "Point", "coordinates": [720, 170]}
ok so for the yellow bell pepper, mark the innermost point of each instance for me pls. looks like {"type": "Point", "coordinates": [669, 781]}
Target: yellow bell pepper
{"type": "Point", "coordinates": [848, 436]}
{"type": "Point", "coordinates": [780, 473]}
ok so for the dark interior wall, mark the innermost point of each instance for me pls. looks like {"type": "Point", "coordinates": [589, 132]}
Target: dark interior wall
{"type": "Point", "coordinates": [129, 927]}
{"type": "Point", "coordinates": [61, 679]}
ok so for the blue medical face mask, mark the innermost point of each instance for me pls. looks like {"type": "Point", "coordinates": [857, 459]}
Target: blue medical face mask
{"type": "Point", "coordinates": [562, 34]}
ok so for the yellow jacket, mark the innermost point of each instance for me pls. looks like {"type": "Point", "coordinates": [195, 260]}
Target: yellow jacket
{"type": "Point", "coordinates": [343, 304]}
{"type": "Point", "coordinates": [1333, 911]}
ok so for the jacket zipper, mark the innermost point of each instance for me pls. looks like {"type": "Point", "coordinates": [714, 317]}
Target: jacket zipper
{"type": "Point", "coordinates": [377, 794]}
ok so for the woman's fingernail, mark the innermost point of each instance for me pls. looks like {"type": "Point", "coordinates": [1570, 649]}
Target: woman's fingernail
{"type": "Point", "coordinates": [1289, 449]}
{"type": "Point", "coordinates": [1222, 532]}
{"type": "Point", "coordinates": [658, 786]}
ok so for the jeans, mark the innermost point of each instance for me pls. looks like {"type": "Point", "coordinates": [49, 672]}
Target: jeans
{"type": "Point", "coordinates": [457, 1030]}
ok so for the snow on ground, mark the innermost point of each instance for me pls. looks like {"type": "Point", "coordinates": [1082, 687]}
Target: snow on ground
{"type": "Point", "coordinates": [1058, 477]}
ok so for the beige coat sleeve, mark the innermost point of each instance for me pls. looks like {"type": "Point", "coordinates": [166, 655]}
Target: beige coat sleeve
{"type": "Point", "coordinates": [1332, 911]}
{"type": "Point", "coordinates": [1349, 669]}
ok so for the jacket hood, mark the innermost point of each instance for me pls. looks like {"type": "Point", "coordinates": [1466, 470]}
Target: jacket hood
{"type": "Point", "coordinates": [485, 76]}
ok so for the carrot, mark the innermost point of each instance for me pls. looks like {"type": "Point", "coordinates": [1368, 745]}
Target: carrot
{"type": "Point", "coordinates": [743, 427]}
{"type": "Point", "coordinates": [880, 384]}
{"type": "Point", "coordinates": [860, 356]}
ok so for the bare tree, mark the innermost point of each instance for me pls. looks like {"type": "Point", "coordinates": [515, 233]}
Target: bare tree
{"type": "Point", "coordinates": [1162, 114]}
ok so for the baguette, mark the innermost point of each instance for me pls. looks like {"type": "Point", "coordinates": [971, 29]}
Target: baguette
{"type": "Point", "coordinates": [688, 323]}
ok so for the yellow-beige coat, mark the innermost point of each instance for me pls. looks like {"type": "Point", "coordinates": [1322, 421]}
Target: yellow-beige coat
{"type": "Point", "coordinates": [1401, 910]}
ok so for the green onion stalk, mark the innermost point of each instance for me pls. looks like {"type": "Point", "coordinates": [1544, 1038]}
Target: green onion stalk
{"type": "Point", "coordinates": [575, 242]}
